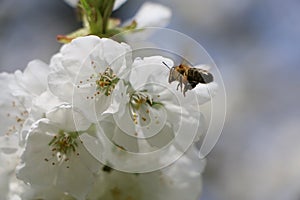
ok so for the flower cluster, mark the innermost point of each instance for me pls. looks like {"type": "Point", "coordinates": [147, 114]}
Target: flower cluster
{"type": "Point", "coordinates": [98, 124]}
{"type": "Point", "coordinates": [94, 109]}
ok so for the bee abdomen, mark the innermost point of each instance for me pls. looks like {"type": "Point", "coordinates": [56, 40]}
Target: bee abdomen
{"type": "Point", "coordinates": [199, 75]}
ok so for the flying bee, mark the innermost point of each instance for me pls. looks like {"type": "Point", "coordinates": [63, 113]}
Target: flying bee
{"type": "Point", "coordinates": [188, 76]}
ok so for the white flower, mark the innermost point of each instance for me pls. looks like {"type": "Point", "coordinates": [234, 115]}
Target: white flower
{"type": "Point", "coordinates": [54, 156]}
{"type": "Point", "coordinates": [86, 71]}
{"type": "Point", "coordinates": [181, 180]}
{"type": "Point", "coordinates": [18, 92]}
{"type": "Point", "coordinates": [147, 120]}
{"type": "Point", "coordinates": [117, 4]}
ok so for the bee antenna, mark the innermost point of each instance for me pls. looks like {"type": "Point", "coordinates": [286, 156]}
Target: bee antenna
{"type": "Point", "coordinates": [166, 65]}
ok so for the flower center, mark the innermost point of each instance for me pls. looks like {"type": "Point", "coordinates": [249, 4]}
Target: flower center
{"type": "Point", "coordinates": [140, 104]}
{"type": "Point", "coordinates": [107, 81]}
{"type": "Point", "coordinates": [63, 143]}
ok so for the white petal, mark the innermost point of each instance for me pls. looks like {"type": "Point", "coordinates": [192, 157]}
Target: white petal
{"type": "Point", "coordinates": [34, 77]}
{"type": "Point", "coordinates": [119, 99]}
{"type": "Point", "coordinates": [7, 173]}
{"type": "Point", "coordinates": [84, 50]}
{"type": "Point", "coordinates": [121, 185]}
{"type": "Point", "coordinates": [117, 136]}
{"type": "Point", "coordinates": [9, 144]}
{"type": "Point", "coordinates": [118, 3]}
{"type": "Point", "coordinates": [203, 93]}
{"type": "Point", "coordinates": [181, 180]}
{"type": "Point", "coordinates": [152, 15]}
{"type": "Point", "coordinates": [149, 69]}
{"type": "Point", "coordinates": [43, 103]}
{"type": "Point", "coordinates": [60, 83]}
{"type": "Point", "coordinates": [13, 114]}
{"type": "Point", "coordinates": [117, 55]}
{"type": "Point", "coordinates": [72, 3]}
{"type": "Point", "coordinates": [68, 118]}
{"type": "Point", "coordinates": [75, 53]}
{"type": "Point", "coordinates": [7, 105]}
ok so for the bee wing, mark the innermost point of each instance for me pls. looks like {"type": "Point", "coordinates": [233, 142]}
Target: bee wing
{"type": "Point", "coordinates": [203, 66]}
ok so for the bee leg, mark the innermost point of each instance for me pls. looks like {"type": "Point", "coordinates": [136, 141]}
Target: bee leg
{"type": "Point", "coordinates": [178, 86]}
{"type": "Point", "coordinates": [180, 82]}
{"type": "Point", "coordinates": [184, 90]}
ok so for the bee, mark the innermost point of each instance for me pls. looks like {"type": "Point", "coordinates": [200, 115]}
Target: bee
{"type": "Point", "coordinates": [188, 76]}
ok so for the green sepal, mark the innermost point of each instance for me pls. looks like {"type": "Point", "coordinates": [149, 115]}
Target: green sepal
{"type": "Point", "coordinates": [78, 33]}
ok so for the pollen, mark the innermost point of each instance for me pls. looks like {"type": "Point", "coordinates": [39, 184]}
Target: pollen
{"type": "Point", "coordinates": [140, 103]}
{"type": "Point", "coordinates": [64, 144]}
{"type": "Point", "coordinates": [17, 119]}
{"type": "Point", "coordinates": [106, 81]}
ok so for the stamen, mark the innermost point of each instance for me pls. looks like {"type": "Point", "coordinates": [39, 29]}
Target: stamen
{"type": "Point", "coordinates": [63, 145]}
{"type": "Point", "coordinates": [140, 100]}
{"type": "Point", "coordinates": [107, 81]}
{"type": "Point", "coordinates": [19, 118]}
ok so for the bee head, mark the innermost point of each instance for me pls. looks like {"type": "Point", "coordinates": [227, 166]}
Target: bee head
{"type": "Point", "coordinates": [207, 77]}
{"type": "Point", "coordinates": [173, 75]}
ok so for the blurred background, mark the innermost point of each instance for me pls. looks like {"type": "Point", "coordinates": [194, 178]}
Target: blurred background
{"type": "Point", "coordinates": [255, 44]}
